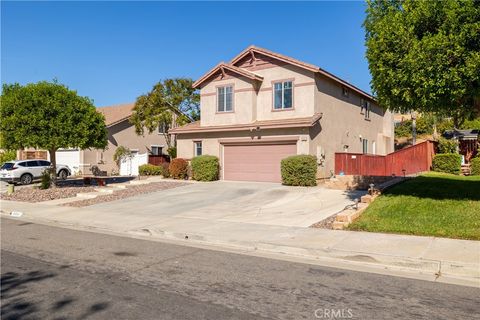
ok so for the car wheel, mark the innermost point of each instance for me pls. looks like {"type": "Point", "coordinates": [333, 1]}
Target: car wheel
{"type": "Point", "coordinates": [63, 174]}
{"type": "Point", "coordinates": [26, 178]}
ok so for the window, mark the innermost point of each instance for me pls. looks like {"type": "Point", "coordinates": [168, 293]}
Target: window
{"type": "Point", "coordinates": [22, 164]}
{"type": "Point", "coordinates": [345, 92]}
{"type": "Point", "coordinates": [163, 128]}
{"type": "Point", "coordinates": [225, 99]}
{"type": "Point", "coordinates": [198, 148]}
{"type": "Point", "coordinates": [365, 108]}
{"type": "Point", "coordinates": [32, 164]}
{"type": "Point", "coordinates": [156, 150]}
{"type": "Point", "coordinates": [44, 163]}
{"type": "Point", "coordinates": [283, 95]}
{"type": "Point", "coordinates": [365, 145]}
{"type": "Point", "coordinates": [374, 148]}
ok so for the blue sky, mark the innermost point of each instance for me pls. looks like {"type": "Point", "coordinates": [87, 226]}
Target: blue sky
{"type": "Point", "coordinates": [113, 52]}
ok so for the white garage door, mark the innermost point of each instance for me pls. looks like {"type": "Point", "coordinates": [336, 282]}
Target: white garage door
{"type": "Point", "coordinates": [256, 162]}
{"type": "Point", "coordinates": [69, 157]}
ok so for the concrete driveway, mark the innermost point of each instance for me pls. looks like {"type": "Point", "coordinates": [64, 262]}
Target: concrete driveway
{"type": "Point", "coordinates": [245, 202]}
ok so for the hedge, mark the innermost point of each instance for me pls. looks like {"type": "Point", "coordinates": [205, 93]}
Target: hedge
{"type": "Point", "coordinates": [300, 170]}
{"type": "Point", "coordinates": [150, 170]}
{"type": "Point", "coordinates": [178, 168]}
{"type": "Point", "coordinates": [447, 162]}
{"type": "Point", "coordinates": [475, 166]}
{"type": "Point", "coordinates": [205, 168]}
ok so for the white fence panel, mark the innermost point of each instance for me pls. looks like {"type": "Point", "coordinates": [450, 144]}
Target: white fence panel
{"type": "Point", "coordinates": [129, 165]}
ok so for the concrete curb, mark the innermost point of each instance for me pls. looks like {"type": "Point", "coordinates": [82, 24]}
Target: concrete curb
{"type": "Point", "coordinates": [436, 268]}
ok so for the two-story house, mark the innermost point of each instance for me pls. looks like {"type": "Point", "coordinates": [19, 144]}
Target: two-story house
{"type": "Point", "coordinates": [263, 106]}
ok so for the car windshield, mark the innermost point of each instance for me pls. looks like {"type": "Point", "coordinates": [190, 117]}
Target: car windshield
{"type": "Point", "coordinates": [7, 165]}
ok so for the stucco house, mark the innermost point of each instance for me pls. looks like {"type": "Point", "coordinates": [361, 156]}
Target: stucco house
{"type": "Point", "coordinates": [263, 106]}
{"type": "Point", "coordinates": [120, 133]}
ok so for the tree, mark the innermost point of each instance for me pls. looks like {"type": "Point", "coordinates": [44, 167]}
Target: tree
{"type": "Point", "coordinates": [49, 116]}
{"type": "Point", "coordinates": [171, 101]}
{"type": "Point", "coordinates": [425, 55]}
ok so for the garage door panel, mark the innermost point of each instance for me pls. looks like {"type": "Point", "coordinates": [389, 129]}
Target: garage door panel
{"type": "Point", "coordinates": [255, 162]}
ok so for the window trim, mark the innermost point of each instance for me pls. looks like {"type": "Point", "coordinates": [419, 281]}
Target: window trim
{"type": "Point", "coordinates": [292, 80]}
{"type": "Point", "coordinates": [195, 148]}
{"type": "Point", "coordinates": [233, 97]}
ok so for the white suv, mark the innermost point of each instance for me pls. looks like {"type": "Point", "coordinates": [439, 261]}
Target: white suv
{"type": "Point", "coordinates": [26, 171]}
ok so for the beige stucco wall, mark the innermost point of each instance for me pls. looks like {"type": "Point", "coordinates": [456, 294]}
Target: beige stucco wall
{"type": "Point", "coordinates": [256, 103]}
{"type": "Point", "coordinates": [343, 124]}
{"type": "Point", "coordinates": [121, 134]}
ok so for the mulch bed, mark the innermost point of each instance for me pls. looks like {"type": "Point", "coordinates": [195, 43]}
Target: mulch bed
{"type": "Point", "coordinates": [38, 195]}
{"type": "Point", "coordinates": [130, 191]}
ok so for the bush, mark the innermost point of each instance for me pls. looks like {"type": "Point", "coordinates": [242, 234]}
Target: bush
{"type": "Point", "coordinates": [46, 180]}
{"type": "Point", "coordinates": [178, 168]}
{"type": "Point", "coordinates": [447, 162]}
{"type": "Point", "coordinates": [299, 170]}
{"type": "Point", "coordinates": [7, 155]}
{"type": "Point", "coordinates": [205, 168]}
{"type": "Point", "coordinates": [120, 153]}
{"type": "Point", "coordinates": [172, 152]}
{"type": "Point", "coordinates": [150, 170]}
{"type": "Point", "coordinates": [165, 170]}
{"type": "Point", "coordinates": [447, 145]}
{"type": "Point", "coordinates": [475, 166]}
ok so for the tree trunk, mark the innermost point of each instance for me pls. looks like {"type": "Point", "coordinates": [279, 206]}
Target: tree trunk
{"type": "Point", "coordinates": [53, 170]}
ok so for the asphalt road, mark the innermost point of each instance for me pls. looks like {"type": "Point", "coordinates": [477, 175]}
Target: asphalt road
{"type": "Point", "coordinates": [55, 273]}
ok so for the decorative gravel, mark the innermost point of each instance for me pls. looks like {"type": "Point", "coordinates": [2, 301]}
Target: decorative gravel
{"type": "Point", "coordinates": [325, 223]}
{"type": "Point", "coordinates": [38, 195]}
{"type": "Point", "coordinates": [130, 191]}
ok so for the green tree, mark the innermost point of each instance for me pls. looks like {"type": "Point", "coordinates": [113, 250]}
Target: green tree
{"type": "Point", "coordinates": [172, 101]}
{"type": "Point", "coordinates": [425, 55]}
{"type": "Point", "coordinates": [49, 116]}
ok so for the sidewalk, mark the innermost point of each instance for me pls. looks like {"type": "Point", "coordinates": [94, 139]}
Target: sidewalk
{"type": "Point", "coordinates": [428, 255]}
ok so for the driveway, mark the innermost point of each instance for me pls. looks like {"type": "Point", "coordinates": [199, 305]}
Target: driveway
{"type": "Point", "coordinates": [245, 202]}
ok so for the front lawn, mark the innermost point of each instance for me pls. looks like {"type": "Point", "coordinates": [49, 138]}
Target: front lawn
{"type": "Point", "coordinates": [432, 204]}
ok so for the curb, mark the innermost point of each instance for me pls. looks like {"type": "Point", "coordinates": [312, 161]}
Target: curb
{"type": "Point", "coordinates": [436, 268]}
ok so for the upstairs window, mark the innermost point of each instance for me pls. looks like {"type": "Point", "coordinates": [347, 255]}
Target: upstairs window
{"type": "Point", "coordinates": [163, 128]}
{"type": "Point", "coordinates": [225, 99]}
{"type": "Point", "coordinates": [345, 92]}
{"type": "Point", "coordinates": [365, 108]}
{"type": "Point", "coordinates": [283, 95]}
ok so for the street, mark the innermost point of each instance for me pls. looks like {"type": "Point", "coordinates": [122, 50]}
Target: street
{"type": "Point", "coordinates": [56, 273]}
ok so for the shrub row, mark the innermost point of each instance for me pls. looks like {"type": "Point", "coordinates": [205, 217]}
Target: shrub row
{"type": "Point", "coordinates": [299, 170]}
{"type": "Point", "coordinates": [447, 162]}
{"type": "Point", "coordinates": [153, 170]}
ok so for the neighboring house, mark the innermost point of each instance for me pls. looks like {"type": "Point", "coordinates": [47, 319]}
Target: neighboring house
{"type": "Point", "coordinates": [262, 107]}
{"type": "Point", "coordinates": [120, 133]}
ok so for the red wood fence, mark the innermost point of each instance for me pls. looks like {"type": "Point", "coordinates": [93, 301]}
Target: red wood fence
{"type": "Point", "coordinates": [158, 160]}
{"type": "Point", "coordinates": [410, 160]}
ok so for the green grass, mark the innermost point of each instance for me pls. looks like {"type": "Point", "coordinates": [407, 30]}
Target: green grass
{"type": "Point", "coordinates": [433, 204]}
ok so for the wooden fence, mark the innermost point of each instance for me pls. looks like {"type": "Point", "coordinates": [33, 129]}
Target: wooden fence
{"type": "Point", "coordinates": [158, 160]}
{"type": "Point", "coordinates": [407, 161]}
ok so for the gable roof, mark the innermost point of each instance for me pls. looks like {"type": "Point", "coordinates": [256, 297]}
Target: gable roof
{"type": "Point", "coordinates": [251, 50]}
{"type": "Point", "coordinates": [222, 66]}
{"type": "Point", "coordinates": [117, 113]}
